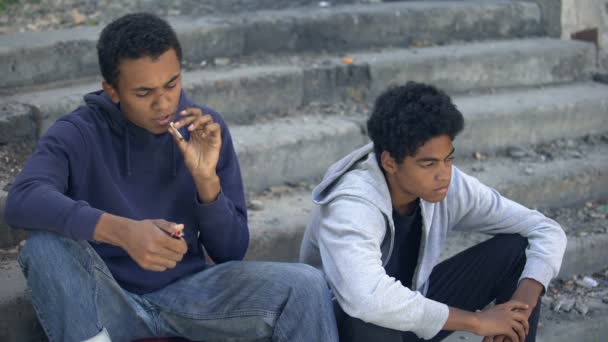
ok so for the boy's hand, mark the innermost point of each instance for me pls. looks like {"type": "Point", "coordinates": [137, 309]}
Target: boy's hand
{"type": "Point", "coordinates": [505, 321]}
{"type": "Point", "coordinates": [152, 245]}
{"type": "Point", "coordinates": [202, 151]}
{"type": "Point", "coordinates": [528, 291]}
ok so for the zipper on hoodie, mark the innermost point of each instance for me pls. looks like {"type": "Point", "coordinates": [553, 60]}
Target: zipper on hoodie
{"type": "Point", "coordinates": [391, 230]}
{"type": "Point", "coordinates": [422, 248]}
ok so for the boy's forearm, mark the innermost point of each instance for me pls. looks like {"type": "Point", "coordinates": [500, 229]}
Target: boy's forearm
{"type": "Point", "coordinates": [207, 188]}
{"type": "Point", "coordinates": [111, 229]}
{"type": "Point", "coordinates": [461, 320]}
{"type": "Point", "coordinates": [528, 291]}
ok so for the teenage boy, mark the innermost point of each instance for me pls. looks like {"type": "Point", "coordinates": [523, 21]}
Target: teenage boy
{"type": "Point", "coordinates": [382, 218]}
{"type": "Point", "coordinates": [125, 198]}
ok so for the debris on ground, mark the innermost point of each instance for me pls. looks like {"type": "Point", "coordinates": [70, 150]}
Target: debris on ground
{"type": "Point", "coordinates": [573, 297]}
{"type": "Point", "coordinates": [12, 158]}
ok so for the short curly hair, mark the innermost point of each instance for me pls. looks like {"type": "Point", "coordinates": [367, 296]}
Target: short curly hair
{"type": "Point", "coordinates": [407, 116]}
{"type": "Point", "coordinates": [133, 36]}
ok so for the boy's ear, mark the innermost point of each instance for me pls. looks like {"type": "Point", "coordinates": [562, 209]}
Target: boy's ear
{"type": "Point", "coordinates": [111, 91]}
{"type": "Point", "coordinates": [388, 162]}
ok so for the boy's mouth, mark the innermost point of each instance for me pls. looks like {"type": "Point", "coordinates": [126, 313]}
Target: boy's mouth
{"type": "Point", "coordinates": [164, 120]}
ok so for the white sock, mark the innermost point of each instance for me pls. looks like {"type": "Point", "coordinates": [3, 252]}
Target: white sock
{"type": "Point", "coordinates": [101, 337]}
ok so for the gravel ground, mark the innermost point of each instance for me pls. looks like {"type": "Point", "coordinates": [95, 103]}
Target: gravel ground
{"type": "Point", "coordinates": [577, 297]}
{"type": "Point", "coordinates": [559, 149]}
{"type": "Point", "coordinates": [591, 218]}
{"type": "Point", "coordinates": [12, 158]}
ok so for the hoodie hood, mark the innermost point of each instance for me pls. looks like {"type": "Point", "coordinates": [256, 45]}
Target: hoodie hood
{"type": "Point", "coordinates": [110, 112]}
{"type": "Point", "coordinates": [357, 174]}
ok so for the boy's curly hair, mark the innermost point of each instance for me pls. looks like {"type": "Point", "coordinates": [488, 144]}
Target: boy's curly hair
{"type": "Point", "coordinates": [133, 36]}
{"type": "Point", "coordinates": [406, 117]}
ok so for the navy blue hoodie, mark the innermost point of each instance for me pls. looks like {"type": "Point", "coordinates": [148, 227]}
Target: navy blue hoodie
{"type": "Point", "coordinates": [94, 161]}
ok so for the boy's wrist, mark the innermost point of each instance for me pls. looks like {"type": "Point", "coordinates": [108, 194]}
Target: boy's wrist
{"type": "Point", "coordinates": [112, 229]}
{"type": "Point", "coordinates": [528, 292]}
{"type": "Point", "coordinates": [207, 187]}
{"type": "Point", "coordinates": [475, 322]}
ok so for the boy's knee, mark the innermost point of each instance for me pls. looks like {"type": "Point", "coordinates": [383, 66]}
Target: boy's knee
{"type": "Point", "coordinates": [510, 244]}
{"type": "Point", "coordinates": [309, 278]}
{"type": "Point", "coordinates": [515, 241]}
{"type": "Point", "coordinates": [48, 249]}
{"type": "Point", "coordinates": [38, 244]}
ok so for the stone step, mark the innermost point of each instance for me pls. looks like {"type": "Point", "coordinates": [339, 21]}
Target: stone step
{"type": "Point", "coordinates": [18, 322]}
{"type": "Point", "coordinates": [290, 82]}
{"type": "Point", "coordinates": [297, 149]}
{"type": "Point", "coordinates": [206, 7]}
{"type": "Point", "coordinates": [278, 228]}
{"type": "Point", "coordinates": [32, 58]}
{"type": "Point", "coordinates": [293, 149]}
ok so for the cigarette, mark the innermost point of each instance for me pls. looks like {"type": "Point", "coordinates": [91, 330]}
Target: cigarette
{"type": "Point", "coordinates": [181, 137]}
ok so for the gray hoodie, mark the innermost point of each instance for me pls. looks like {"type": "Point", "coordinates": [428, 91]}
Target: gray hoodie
{"type": "Point", "coordinates": [350, 238]}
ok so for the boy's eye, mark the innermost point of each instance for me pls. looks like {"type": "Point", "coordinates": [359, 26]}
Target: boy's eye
{"type": "Point", "coordinates": [172, 85]}
{"type": "Point", "coordinates": [427, 164]}
{"type": "Point", "coordinates": [142, 93]}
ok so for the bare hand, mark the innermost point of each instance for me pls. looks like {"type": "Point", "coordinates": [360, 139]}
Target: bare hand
{"type": "Point", "coordinates": [202, 151]}
{"type": "Point", "coordinates": [503, 338]}
{"type": "Point", "coordinates": [528, 291]}
{"type": "Point", "coordinates": [504, 320]}
{"type": "Point", "coordinates": [150, 244]}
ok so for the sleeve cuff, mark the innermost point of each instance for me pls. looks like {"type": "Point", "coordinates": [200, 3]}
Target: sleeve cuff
{"type": "Point", "coordinates": [214, 212]}
{"type": "Point", "coordinates": [538, 270]}
{"type": "Point", "coordinates": [81, 225]}
{"type": "Point", "coordinates": [434, 318]}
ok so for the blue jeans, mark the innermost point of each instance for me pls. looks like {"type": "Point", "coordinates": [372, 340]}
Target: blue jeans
{"type": "Point", "coordinates": [75, 297]}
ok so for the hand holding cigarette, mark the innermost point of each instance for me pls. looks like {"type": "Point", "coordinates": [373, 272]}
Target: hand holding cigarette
{"type": "Point", "coordinates": [179, 135]}
{"type": "Point", "coordinates": [202, 149]}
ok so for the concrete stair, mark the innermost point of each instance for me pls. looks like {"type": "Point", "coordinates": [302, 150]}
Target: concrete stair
{"type": "Point", "coordinates": [288, 82]}
{"type": "Point", "coordinates": [514, 85]}
{"type": "Point", "coordinates": [33, 58]}
{"type": "Point", "coordinates": [283, 149]}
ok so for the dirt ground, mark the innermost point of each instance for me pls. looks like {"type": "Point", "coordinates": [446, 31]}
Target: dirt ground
{"type": "Point", "coordinates": [12, 158]}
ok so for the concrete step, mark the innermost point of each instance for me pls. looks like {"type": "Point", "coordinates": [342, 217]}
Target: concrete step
{"type": "Point", "coordinates": [277, 229]}
{"type": "Point", "coordinates": [290, 82]}
{"type": "Point", "coordinates": [293, 149]}
{"type": "Point", "coordinates": [298, 149]}
{"type": "Point", "coordinates": [35, 58]}
{"type": "Point", "coordinates": [206, 7]}
{"type": "Point", "coordinates": [531, 116]}
{"type": "Point", "coordinates": [18, 321]}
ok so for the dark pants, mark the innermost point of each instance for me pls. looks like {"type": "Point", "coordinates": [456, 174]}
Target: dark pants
{"type": "Point", "coordinates": [469, 281]}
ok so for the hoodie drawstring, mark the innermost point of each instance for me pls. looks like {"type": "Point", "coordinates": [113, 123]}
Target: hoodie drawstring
{"type": "Point", "coordinates": [173, 157]}
{"type": "Point", "coordinates": [127, 152]}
